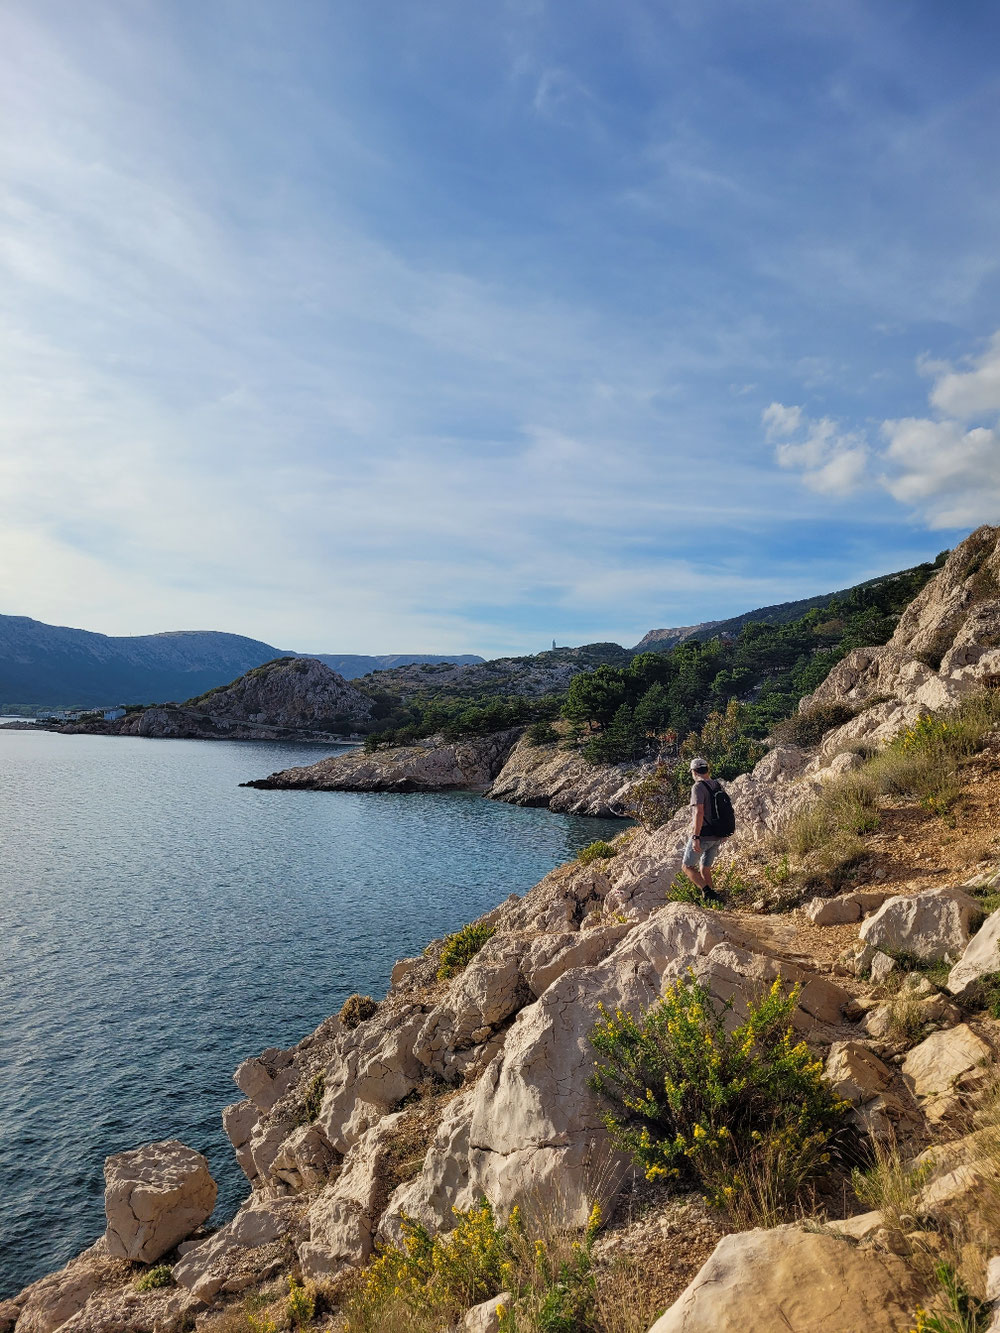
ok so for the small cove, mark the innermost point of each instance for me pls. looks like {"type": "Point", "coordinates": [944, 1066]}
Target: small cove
{"type": "Point", "coordinates": [158, 924]}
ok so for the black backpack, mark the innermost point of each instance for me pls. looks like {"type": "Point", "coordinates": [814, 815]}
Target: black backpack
{"type": "Point", "coordinates": [720, 817]}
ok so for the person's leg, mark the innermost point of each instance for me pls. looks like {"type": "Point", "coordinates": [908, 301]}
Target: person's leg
{"type": "Point", "coordinates": [691, 865]}
{"type": "Point", "coordinates": [709, 856]}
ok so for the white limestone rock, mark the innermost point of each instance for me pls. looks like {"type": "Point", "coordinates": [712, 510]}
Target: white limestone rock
{"type": "Point", "coordinates": [155, 1196]}
{"type": "Point", "coordinates": [932, 1068]}
{"type": "Point", "coordinates": [343, 1218]}
{"type": "Point", "coordinates": [934, 925]}
{"type": "Point", "coordinates": [980, 960]}
{"type": "Point", "coordinates": [788, 1278]}
{"type": "Point", "coordinates": [245, 1251]}
{"type": "Point", "coordinates": [856, 1073]}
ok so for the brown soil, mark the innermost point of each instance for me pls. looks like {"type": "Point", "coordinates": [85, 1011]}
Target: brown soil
{"type": "Point", "coordinates": [652, 1251]}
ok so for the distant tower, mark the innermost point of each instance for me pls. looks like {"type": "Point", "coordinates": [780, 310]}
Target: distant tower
{"type": "Point", "coordinates": [553, 645]}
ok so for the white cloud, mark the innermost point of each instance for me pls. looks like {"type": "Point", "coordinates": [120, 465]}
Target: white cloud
{"type": "Point", "coordinates": [950, 474]}
{"type": "Point", "coordinates": [781, 420]}
{"type": "Point", "coordinates": [943, 468]}
{"type": "Point", "coordinates": [832, 462]}
{"type": "Point", "coordinates": [970, 393]}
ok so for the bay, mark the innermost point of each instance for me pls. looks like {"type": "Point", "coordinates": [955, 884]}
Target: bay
{"type": "Point", "coordinates": [159, 924]}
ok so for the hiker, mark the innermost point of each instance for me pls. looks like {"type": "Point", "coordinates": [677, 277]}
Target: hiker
{"type": "Point", "coordinates": [712, 822]}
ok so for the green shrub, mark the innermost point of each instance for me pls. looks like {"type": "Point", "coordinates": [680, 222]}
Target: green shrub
{"type": "Point", "coordinates": [160, 1276]}
{"type": "Point", "coordinates": [964, 1312]}
{"type": "Point", "coordinates": [460, 948]}
{"type": "Point", "coordinates": [313, 1099]}
{"type": "Point", "coordinates": [683, 890]}
{"type": "Point", "coordinates": [746, 1116]}
{"type": "Point", "coordinates": [596, 851]}
{"type": "Point", "coordinates": [301, 1304]}
{"type": "Point", "coordinates": [432, 1280]}
{"type": "Point", "coordinates": [355, 1009]}
{"type": "Point", "coordinates": [809, 727]}
{"type": "Point", "coordinates": [542, 733]}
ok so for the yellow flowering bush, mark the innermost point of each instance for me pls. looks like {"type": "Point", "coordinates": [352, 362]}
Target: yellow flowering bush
{"type": "Point", "coordinates": [430, 1280]}
{"type": "Point", "coordinates": [965, 1313]}
{"type": "Point", "coordinates": [723, 1111]}
{"type": "Point", "coordinates": [435, 1275]}
{"type": "Point", "coordinates": [926, 733]}
{"type": "Point", "coordinates": [301, 1304]}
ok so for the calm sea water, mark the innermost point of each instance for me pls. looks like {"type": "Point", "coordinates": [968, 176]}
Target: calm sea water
{"type": "Point", "coordinates": [158, 924]}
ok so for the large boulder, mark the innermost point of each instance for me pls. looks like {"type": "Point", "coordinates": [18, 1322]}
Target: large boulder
{"type": "Point", "coordinates": [932, 1068]}
{"type": "Point", "coordinates": [856, 1073]}
{"type": "Point", "coordinates": [980, 960]}
{"type": "Point", "coordinates": [155, 1196]}
{"type": "Point", "coordinates": [762, 1281]}
{"type": "Point", "coordinates": [932, 926]}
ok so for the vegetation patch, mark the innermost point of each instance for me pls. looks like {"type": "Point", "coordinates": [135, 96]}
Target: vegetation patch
{"type": "Point", "coordinates": [313, 1099]}
{"type": "Point", "coordinates": [807, 728]}
{"type": "Point", "coordinates": [160, 1276]}
{"type": "Point", "coordinates": [542, 733]}
{"type": "Point", "coordinates": [823, 844]}
{"type": "Point", "coordinates": [459, 949]}
{"type": "Point", "coordinates": [746, 1116]}
{"type": "Point", "coordinates": [429, 1281]}
{"type": "Point", "coordinates": [645, 706]}
{"type": "Point", "coordinates": [597, 851]}
{"type": "Point", "coordinates": [301, 1304]}
{"type": "Point", "coordinates": [355, 1009]}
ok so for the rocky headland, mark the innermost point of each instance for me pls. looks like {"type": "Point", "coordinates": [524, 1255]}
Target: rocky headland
{"type": "Point", "coordinates": [473, 1081]}
{"type": "Point", "coordinates": [291, 698]}
{"type": "Point", "coordinates": [505, 766]}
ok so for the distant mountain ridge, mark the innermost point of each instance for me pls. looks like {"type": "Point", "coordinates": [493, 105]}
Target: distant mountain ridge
{"type": "Point", "coordinates": [54, 666]}
{"type": "Point", "coordinates": [781, 613]}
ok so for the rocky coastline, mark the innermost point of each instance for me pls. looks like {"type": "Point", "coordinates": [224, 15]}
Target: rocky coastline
{"type": "Point", "coordinates": [455, 1088]}
{"type": "Point", "coordinates": [504, 766]}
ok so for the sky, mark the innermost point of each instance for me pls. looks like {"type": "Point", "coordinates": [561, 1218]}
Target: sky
{"type": "Point", "coordinates": [460, 327]}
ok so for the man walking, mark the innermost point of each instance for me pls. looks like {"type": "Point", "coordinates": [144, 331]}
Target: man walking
{"type": "Point", "coordinates": [702, 851]}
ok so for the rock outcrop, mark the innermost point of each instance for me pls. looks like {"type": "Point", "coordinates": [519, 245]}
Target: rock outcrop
{"type": "Point", "coordinates": [291, 698]}
{"type": "Point", "coordinates": [789, 1278]}
{"type": "Point", "coordinates": [504, 766]}
{"type": "Point", "coordinates": [155, 1196]}
{"type": "Point", "coordinates": [431, 765]}
{"type": "Point", "coordinates": [548, 775]}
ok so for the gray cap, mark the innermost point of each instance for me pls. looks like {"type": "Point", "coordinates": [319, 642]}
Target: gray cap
{"type": "Point", "coordinates": [699, 765]}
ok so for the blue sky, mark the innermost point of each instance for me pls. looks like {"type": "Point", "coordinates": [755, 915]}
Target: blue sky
{"type": "Point", "coordinates": [460, 327]}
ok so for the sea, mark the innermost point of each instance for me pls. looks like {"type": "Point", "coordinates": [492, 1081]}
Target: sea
{"type": "Point", "coordinates": [159, 924]}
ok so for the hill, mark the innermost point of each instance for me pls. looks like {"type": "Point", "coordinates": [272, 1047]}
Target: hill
{"type": "Point", "coordinates": [53, 666]}
{"type": "Point", "coordinates": [781, 613]}
{"type": "Point", "coordinates": [288, 698]}
{"type": "Point", "coordinates": [352, 666]}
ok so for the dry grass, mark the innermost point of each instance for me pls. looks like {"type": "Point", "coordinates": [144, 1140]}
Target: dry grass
{"type": "Point", "coordinates": [950, 1251]}
{"type": "Point", "coordinates": [826, 841]}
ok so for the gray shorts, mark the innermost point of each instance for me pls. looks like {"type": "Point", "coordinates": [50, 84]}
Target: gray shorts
{"type": "Point", "coordinates": [706, 858]}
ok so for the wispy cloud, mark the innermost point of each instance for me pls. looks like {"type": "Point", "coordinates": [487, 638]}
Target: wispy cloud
{"type": "Point", "coordinates": [328, 328]}
{"type": "Point", "coordinates": [941, 467]}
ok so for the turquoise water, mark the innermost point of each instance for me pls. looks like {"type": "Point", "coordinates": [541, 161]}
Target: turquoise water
{"type": "Point", "coordinates": [158, 924]}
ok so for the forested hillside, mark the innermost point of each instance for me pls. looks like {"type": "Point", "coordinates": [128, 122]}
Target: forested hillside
{"type": "Point", "coordinates": [627, 703]}
{"type": "Point", "coordinates": [759, 675]}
